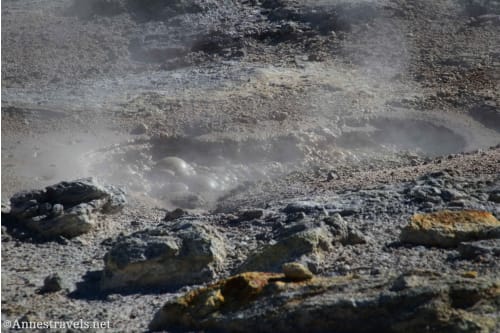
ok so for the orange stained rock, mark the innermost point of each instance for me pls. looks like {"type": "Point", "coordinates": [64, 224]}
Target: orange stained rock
{"type": "Point", "coordinates": [244, 287]}
{"type": "Point", "coordinates": [239, 288]}
{"type": "Point", "coordinates": [452, 219]}
{"type": "Point", "coordinates": [470, 274]}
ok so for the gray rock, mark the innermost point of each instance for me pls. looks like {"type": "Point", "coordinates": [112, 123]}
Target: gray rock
{"type": "Point", "coordinates": [115, 201]}
{"type": "Point", "coordinates": [175, 214]}
{"type": "Point", "coordinates": [355, 237]}
{"type": "Point", "coordinates": [75, 192]}
{"type": "Point", "coordinates": [189, 253]}
{"type": "Point", "coordinates": [6, 237]}
{"type": "Point", "coordinates": [412, 279]}
{"type": "Point", "coordinates": [344, 233]}
{"type": "Point", "coordinates": [248, 215]}
{"type": "Point", "coordinates": [452, 195]}
{"type": "Point", "coordinates": [74, 221]}
{"type": "Point", "coordinates": [425, 192]}
{"type": "Point", "coordinates": [332, 175]}
{"type": "Point", "coordinates": [52, 283]}
{"type": "Point", "coordinates": [486, 248]}
{"type": "Point", "coordinates": [459, 203]}
{"type": "Point", "coordinates": [427, 205]}
{"type": "Point", "coordinates": [65, 209]}
{"type": "Point", "coordinates": [494, 196]}
{"type": "Point", "coordinates": [293, 242]}
{"type": "Point", "coordinates": [139, 129]}
{"type": "Point", "coordinates": [495, 19]}
{"type": "Point", "coordinates": [25, 204]}
{"type": "Point", "coordinates": [57, 210]}
{"type": "Point", "coordinates": [308, 207]}
{"type": "Point", "coordinates": [264, 302]}
{"type": "Point", "coordinates": [5, 207]}
{"type": "Point", "coordinates": [295, 217]}
{"type": "Point", "coordinates": [338, 226]}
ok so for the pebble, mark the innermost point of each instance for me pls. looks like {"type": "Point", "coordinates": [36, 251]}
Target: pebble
{"type": "Point", "coordinates": [175, 214]}
{"type": "Point", "coordinates": [494, 196]}
{"type": "Point", "coordinates": [252, 214]}
{"type": "Point", "coordinates": [139, 129]}
{"type": "Point", "coordinates": [470, 274]}
{"type": "Point", "coordinates": [296, 271]}
{"type": "Point", "coordinates": [52, 283]}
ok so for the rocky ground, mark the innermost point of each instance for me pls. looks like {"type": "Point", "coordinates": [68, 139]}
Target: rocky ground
{"type": "Point", "coordinates": [268, 165]}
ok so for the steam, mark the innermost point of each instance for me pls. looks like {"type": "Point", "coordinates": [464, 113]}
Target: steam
{"type": "Point", "coordinates": [192, 173]}
{"type": "Point", "coordinates": [369, 79]}
{"type": "Point", "coordinates": [52, 157]}
{"type": "Point", "coordinates": [345, 110]}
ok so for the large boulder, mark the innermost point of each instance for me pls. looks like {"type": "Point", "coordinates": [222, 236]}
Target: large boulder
{"type": "Point", "coordinates": [450, 228]}
{"type": "Point", "coordinates": [269, 302]}
{"type": "Point", "coordinates": [186, 253]}
{"type": "Point", "coordinates": [65, 209]}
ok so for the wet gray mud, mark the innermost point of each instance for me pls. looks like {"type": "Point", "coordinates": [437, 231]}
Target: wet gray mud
{"type": "Point", "coordinates": [322, 126]}
{"type": "Point", "coordinates": [404, 134]}
{"type": "Point", "coordinates": [169, 168]}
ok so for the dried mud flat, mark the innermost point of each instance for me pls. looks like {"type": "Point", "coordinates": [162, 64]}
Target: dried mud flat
{"type": "Point", "coordinates": [358, 140]}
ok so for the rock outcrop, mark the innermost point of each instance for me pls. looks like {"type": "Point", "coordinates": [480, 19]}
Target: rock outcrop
{"type": "Point", "coordinates": [268, 302]}
{"type": "Point", "coordinates": [446, 189]}
{"type": "Point", "coordinates": [65, 209]}
{"type": "Point", "coordinates": [306, 240]}
{"type": "Point", "coordinates": [187, 253]}
{"type": "Point", "coordinates": [298, 241]}
{"type": "Point", "coordinates": [450, 228]}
